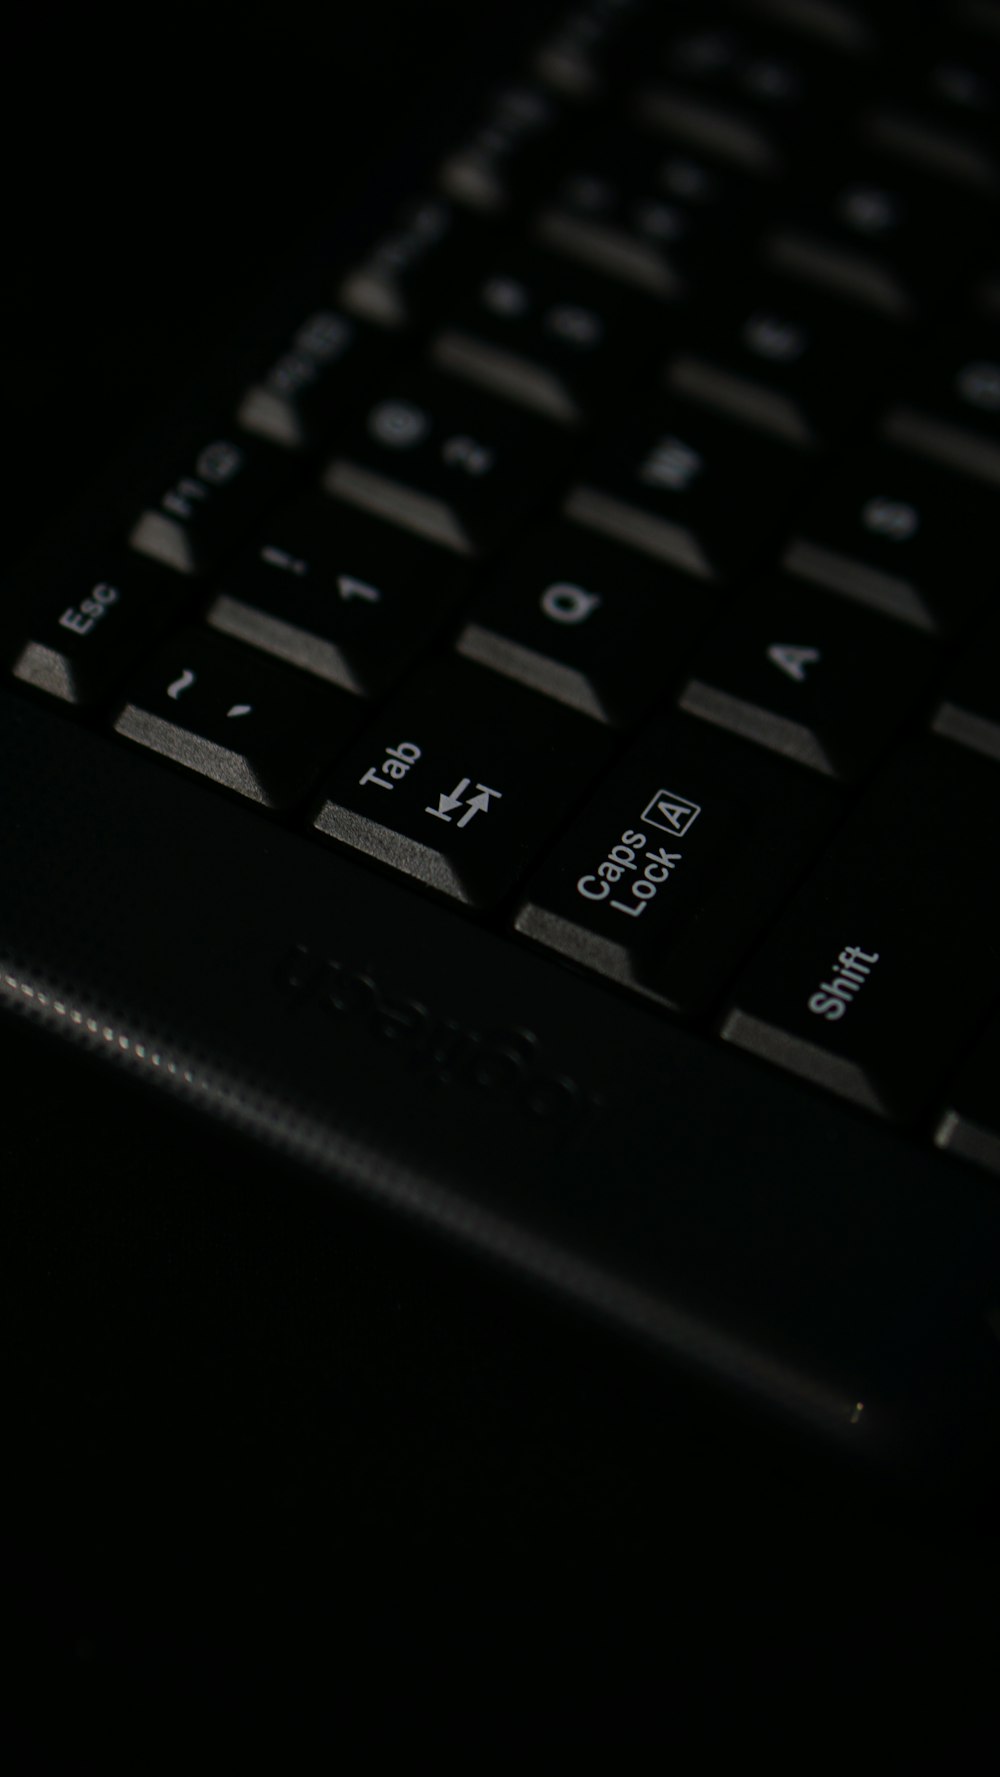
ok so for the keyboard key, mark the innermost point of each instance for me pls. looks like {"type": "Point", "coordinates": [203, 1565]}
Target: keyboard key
{"type": "Point", "coordinates": [502, 160]}
{"type": "Point", "coordinates": [648, 216]}
{"type": "Point", "coordinates": [683, 854]}
{"type": "Point", "coordinates": [811, 677]}
{"type": "Point", "coordinates": [951, 409]}
{"type": "Point", "coordinates": [969, 711]}
{"type": "Point", "coordinates": [886, 963]}
{"type": "Point", "coordinates": [745, 94]}
{"type": "Point", "coordinates": [942, 111]}
{"type": "Point", "coordinates": [308, 388]}
{"type": "Point", "coordinates": [545, 335]}
{"type": "Point", "coordinates": [578, 57]}
{"type": "Point", "coordinates": [340, 595]}
{"type": "Point", "coordinates": [447, 463]}
{"type": "Point", "coordinates": [970, 1124]}
{"type": "Point", "coordinates": [784, 359]}
{"type": "Point", "coordinates": [839, 24]}
{"type": "Point", "coordinates": [459, 782]}
{"type": "Point", "coordinates": [590, 623]}
{"type": "Point", "coordinates": [398, 283]}
{"type": "Point", "coordinates": [231, 714]}
{"type": "Point", "coordinates": [204, 514]}
{"type": "Point", "coordinates": [74, 634]}
{"type": "Point", "coordinates": [887, 531]}
{"type": "Point", "coordinates": [688, 489]}
{"type": "Point", "coordinates": [872, 233]}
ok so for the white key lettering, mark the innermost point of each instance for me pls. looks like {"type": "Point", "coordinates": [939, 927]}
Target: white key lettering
{"type": "Point", "coordinates": [565, 603]}
{"type": "Point", "coordinates": [394, 767]}
{"type": "Point", "coordinates": [891, 518]}
{"type": "Point", "coordinates": [833, 997]}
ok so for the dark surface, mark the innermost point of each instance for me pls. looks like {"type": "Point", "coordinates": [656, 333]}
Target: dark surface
{"type": "Point", "coordinates": [280, 1469]}
{"type": "Point", "coordinates": [275, 1464]}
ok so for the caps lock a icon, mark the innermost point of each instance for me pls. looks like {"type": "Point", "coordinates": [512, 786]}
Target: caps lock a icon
{"type": "Point", "coordinates": [672, 814]}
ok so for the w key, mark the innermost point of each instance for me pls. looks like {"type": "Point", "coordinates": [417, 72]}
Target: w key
{"type": "Point", "coordinates": [688, 489]}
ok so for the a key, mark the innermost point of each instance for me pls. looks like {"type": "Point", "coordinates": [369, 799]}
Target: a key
{"type": "Point", "coordinates": [809, 676]}
{"type": "Point", "coordinates": [75, 632]}
{"type": "Point", "coordinates": [309, 386]}
{"type": "Point", "coordinates": [503, 158]}
{"type": "Point", "coordinates": [870, 232]}
{"type": "Point", "coordinates": [672, 869]}
{"type": "Point", "coordinates": [942, 111]}
{"type": "Point", "coordinates": [745, 94]}
{"type": "Point", "coordinates": [913, 542]}
{"type": "Point", "coordinates": [446, 462]}
{"type": "Point", "coordinates": [785, 359]}
{"type": "Point", "coordinates": [886, 963]}
{"type": "Point", "coordinates": [591, 623]}
{"type": "Point", "coordinates": [950, 411]}
{"type": "Point", "coordinates": [459, 782]}
{"type": "Point", "coordinates": [399, 281]}
{"type": "Point", "coordinates": [688, 489]}
{"type": "Point", "coordinates": [333, 591]}
{"type": "Point", "coordinates": [204, 513]}
{"type": "Point", "coordinates": [969, 710]}
{"type": "Point", "coordinates": [969, 1125]}
{"type": "Point", "coordinates": [227, 712]}
{"type": "Point", "coordinates": [547, 336]}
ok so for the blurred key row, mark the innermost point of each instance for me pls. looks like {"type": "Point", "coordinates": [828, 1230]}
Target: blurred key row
{"type": "Point", "coordinates": [615, 517]}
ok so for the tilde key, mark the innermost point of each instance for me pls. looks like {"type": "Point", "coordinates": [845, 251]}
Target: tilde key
{"type": "Point", "coordinates": [461, 780]}
{"type": "Point", "coordinates": [232, 714]}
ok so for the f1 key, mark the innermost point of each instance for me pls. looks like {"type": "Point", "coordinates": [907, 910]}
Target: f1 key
{"type": "Point", "coordinates": [203, 514]}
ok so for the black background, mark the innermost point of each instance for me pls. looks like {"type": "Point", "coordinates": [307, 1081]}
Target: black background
{"type": "Point", "coordinates": [280, 1474]}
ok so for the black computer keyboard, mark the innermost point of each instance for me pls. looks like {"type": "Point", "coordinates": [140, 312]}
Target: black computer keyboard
{"type": "Point", "coordinates": [608, 545]}
{"type": "Point", "coordinates": [598, 536]}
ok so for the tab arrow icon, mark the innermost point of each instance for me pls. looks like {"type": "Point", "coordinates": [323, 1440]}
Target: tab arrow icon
{"type": "Point", "coordinates": [448, 804]}
{"type": "Point", "coordinates": [791, 660]}
{"type": "Point", "coordinates": [349, 588]}
{"type": "Point", "coordinates": [477, 804]}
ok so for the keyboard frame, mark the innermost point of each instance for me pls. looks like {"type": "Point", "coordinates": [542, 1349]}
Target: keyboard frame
{"type": "Point", "coordinates": [830, 1272]}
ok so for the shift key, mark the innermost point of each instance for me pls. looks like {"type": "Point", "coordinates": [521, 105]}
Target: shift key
{"type": "Point", "coordinates": [886, 963]}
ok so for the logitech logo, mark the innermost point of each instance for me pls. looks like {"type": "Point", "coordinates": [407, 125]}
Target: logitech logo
{"type": "Point", "coordinates": [444, 1051]}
